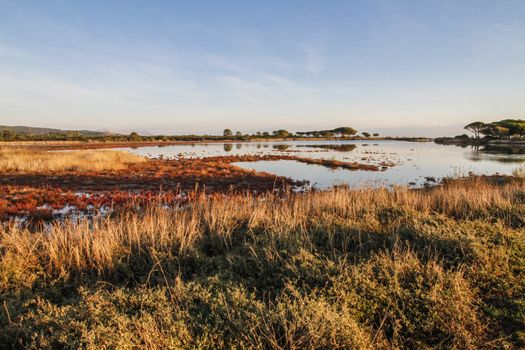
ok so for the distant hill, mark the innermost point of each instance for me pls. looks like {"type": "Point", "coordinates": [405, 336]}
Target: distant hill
{"type": "Point", "coordinates": [43, 131]}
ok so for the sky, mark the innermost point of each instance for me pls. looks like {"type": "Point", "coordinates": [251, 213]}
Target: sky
{"type": "Point", "coordinates": [177, 67]}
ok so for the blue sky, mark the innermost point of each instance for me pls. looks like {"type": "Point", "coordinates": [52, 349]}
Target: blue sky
{"type": "Point", "coordinates": [397, 67]}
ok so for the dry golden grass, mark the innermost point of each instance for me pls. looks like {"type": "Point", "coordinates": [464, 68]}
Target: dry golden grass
{"type": "Point", "coordinates": [99, 245]}
{"type": "Point", "coordinates": [438, 268]}
{"type": "Point", "coordinates": [35, 161]}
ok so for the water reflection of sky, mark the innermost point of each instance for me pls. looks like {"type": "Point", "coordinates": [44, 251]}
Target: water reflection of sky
{"type": "Point", "coordinates": [412, 161]}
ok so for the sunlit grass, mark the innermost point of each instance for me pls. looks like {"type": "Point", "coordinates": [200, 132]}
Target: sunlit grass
{"type": "Point", "coordinates": [519, 172]}
{"type": "Point", "coordinates": [36, 161]}
{"type": "Point", "coordinates": [365, 269]}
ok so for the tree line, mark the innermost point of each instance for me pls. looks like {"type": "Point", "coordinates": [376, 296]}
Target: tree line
{"type": "Point", "coordinates": [503, 129]}
{"type": "Point", "coordinates": [228, 134]}
{"type": "Point", "coordinates": [343, 131]}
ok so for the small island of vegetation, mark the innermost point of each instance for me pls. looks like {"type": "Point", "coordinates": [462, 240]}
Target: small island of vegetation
{"type": "Point", "coordinates": [503, 131]}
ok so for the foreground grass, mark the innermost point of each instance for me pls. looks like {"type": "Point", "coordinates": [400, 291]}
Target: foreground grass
{"type": "Point", "coordinates": [35, 161]}
{"type": "Point", "coordinates": [441, 268]}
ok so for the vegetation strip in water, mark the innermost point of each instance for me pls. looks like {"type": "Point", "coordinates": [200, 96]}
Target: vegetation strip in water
{"type": "Point", "coordinates": [329, 163]}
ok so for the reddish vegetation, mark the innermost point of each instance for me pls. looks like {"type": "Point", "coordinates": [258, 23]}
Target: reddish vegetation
{"type": "Point", "coordinates": [217, 174]}
{"type": "Point", "coordinates": [39, 203]}
{"type": "Point", "coordinates": [24, 194]}
{"type": "Point", "coordinates": [172, 180]}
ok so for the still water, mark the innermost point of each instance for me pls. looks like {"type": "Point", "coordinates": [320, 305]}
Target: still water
{"type": "Point", "coordinates": [412, 163]}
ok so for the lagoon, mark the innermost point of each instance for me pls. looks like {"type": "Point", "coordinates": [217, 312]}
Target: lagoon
{"type": "Point", "coordinates": [409, 163]}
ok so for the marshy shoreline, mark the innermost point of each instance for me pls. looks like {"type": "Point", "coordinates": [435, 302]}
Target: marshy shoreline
{"type": "Point", "coordinates": [200, 253]}
{"type": "Point", "coordinates": [36, 183]}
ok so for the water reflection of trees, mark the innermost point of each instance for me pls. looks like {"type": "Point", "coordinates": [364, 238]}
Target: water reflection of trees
{"type": "Point", "coordinates": [338, 148]}
{"type": "Point", "coordinates": [498, 153]}
{"type": "Point", "coordinates": [281, 147]}
{"type": "Point", "coordinates": [503, 149]}
{"type": "Point", "coordinates": [229, 146]}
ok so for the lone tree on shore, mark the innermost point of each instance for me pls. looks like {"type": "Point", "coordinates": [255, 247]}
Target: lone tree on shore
{"type": "Point", "coordinates": [366, 134]}
{"type": "Point", "coordinates": [476, 128]}
{"type": "Point", "coordinates": [134, 136]}
{"type": "Point", "coordinates": [227, 133]}
{"type": "Point", "coordinates": [281, 133]}
{"type": "Point", "coordinates": [238, 134]}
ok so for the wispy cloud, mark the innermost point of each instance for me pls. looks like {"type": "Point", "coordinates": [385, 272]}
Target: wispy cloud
{"type": "Point", "coordinates": [313, 61]}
